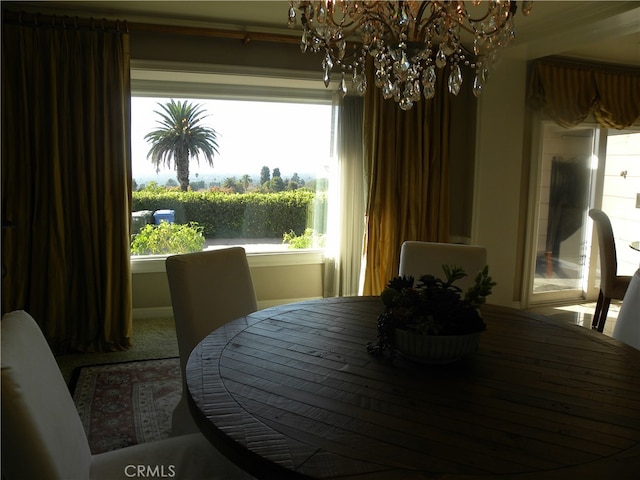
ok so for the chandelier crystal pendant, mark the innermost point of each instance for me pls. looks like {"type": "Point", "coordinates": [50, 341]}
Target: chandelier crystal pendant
{"type": "Point", "coordinates": [408, 41]}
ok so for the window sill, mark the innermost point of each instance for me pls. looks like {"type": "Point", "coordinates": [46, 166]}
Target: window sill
{"type": "Point", "coordinates": [156, 263]}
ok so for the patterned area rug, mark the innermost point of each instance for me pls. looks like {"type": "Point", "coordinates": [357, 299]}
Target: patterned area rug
{"type": "Point", "coordinates": [124, 404]}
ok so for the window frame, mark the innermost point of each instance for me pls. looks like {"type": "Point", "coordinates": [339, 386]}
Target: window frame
{"type": "Point", "coordinates": [189, 80]}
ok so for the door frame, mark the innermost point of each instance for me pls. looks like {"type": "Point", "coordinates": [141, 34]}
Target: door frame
{"type": "Point", "coordinates": [588, 290]}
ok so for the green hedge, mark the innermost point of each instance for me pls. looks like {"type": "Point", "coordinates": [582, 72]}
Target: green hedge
{"type": "Point", "coordinates": [242, 215]}
{"type": "Point", "coordinates": [168, 238]}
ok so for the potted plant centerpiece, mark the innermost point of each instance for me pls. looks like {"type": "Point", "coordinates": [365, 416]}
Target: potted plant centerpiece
{"type": "Point", "coordinates": [433, 321]}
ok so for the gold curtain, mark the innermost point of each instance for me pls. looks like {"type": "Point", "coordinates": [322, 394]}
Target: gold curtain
{"type": "Point", "coordinates": [569, 92]}
{"type": "Point", "coordinates": [407, 156]}
{"type": "Point", "coordinates": [66, 179]}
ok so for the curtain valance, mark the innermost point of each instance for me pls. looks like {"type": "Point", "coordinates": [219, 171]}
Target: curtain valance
{"type": "Point", "coordinates": [569, 92]}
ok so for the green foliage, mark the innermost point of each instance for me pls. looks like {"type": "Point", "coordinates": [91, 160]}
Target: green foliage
{"type": "Point", "coordinates": [432, 307]}
{"type": "Point", "coordinates": [168, 238]}
{"type": "Point", "coordinates": [265, 175]}
{"type": "Point", "coordinates": [153, 187]}
{"type": "Point", "coordinates": [295, 182]}
{"type": "Point", "coordinates": [199, 185]}
{"type": "Point", "coordinates": [245, 181]}
{"type": "Point", "coordinates": [180, 137]}
{"type": "Point", "coordinates": [233, 185]}
{"type": "Point", "coordinates": [247, 215]}
{"type": "Point", "coordinates": [276, 184]}
{"type": "Point", "coordinates": [309, 239]}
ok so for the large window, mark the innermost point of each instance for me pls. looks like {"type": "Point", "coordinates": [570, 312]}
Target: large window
{"type": "Point", "coordinates": [268, 187]}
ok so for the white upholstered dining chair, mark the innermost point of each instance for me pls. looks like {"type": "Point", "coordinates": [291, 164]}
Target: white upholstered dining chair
{"type": "Point", "coordinates": [422, 258]}
{"type": "Point", "coordinates": [612, 285]}
{"type": "Point", "coordinates": [43, 437]}
{"type": "Point", "coordinates": [627, 327]}
{"type": "Point", "coordinates": [208, 289]}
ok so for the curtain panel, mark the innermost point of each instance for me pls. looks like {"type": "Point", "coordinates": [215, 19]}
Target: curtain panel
{"type": "Point", "coordinates": [344, 258]}
{"type": "Point", "coordinates": [407, 157]}
{"type": "Point", "coordinates": [568, 93]}
{"type": "Point", "coordinates": [66, 179]}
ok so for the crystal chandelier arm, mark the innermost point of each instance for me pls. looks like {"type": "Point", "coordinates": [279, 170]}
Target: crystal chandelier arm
{"type": "Point", "coordinates": [408, 40]}
{"type": "Point", "coordinates": [350, 20]}
{"type": "Point", "coordinates": [458, 13]}
{"type": "Point", "coordinates": [422, 25]}
{"type": "Point", "coordinates": [346, 26]}
{"type": "Point", "coordinates": [502, 14]}
{"type": "Point", "coordinates": [367, 13]}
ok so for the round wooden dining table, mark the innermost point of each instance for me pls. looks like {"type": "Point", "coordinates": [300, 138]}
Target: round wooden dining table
{"type": "Point", "coordinates": [291, 392]}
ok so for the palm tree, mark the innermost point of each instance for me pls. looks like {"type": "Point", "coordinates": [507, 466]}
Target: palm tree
{"type": "Point", "coordinates": [246, 181]}
{"type": "Point", "coordinates": [181, 137]}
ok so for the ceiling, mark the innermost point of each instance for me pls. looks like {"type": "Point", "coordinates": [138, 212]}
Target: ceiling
{"type": "Point", "coordinates": [602, 31]}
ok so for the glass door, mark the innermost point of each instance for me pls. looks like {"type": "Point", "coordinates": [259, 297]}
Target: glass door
{"type": "Point", "coordinates": [621, 195]}
{"type": "Point", "coordinates": [579, 169]}
{"type": "Point", "coordinates": [565, 189]}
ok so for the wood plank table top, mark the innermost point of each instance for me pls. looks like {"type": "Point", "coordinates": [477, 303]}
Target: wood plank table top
{"type": "Point", "coordinates": [291, 392]}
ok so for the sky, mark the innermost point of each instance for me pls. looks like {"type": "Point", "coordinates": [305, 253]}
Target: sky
{"type": "Point", "coordinates": [293, 137]}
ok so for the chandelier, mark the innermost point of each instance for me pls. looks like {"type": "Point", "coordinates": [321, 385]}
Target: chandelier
{"type": "Point", "coordinates": [408, 41]}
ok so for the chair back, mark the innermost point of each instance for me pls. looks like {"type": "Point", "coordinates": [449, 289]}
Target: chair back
{"type": "Point", "coordinates": [208, 289]}
{"type": "Point", "coordinates": [422, 258]}
{"type": "Point", "coordinates": [606, 250]}
{"type": "Point", "coordinates": [42, 435]}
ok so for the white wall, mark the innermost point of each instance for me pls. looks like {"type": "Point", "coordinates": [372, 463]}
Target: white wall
{"type": "Point", "coordinates": [498, 172]}
{"type": "Point", "coordinates": [277, 279]}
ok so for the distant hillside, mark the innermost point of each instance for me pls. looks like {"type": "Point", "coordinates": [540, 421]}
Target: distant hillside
{"type": "Point", "coordinates": [208, 178]}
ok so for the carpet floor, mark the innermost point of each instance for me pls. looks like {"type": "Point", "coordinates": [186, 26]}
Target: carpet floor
{"type": "Point", "coordinates": [123, 404]}
{"type": "Point", "coordinates": [152, 338]}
